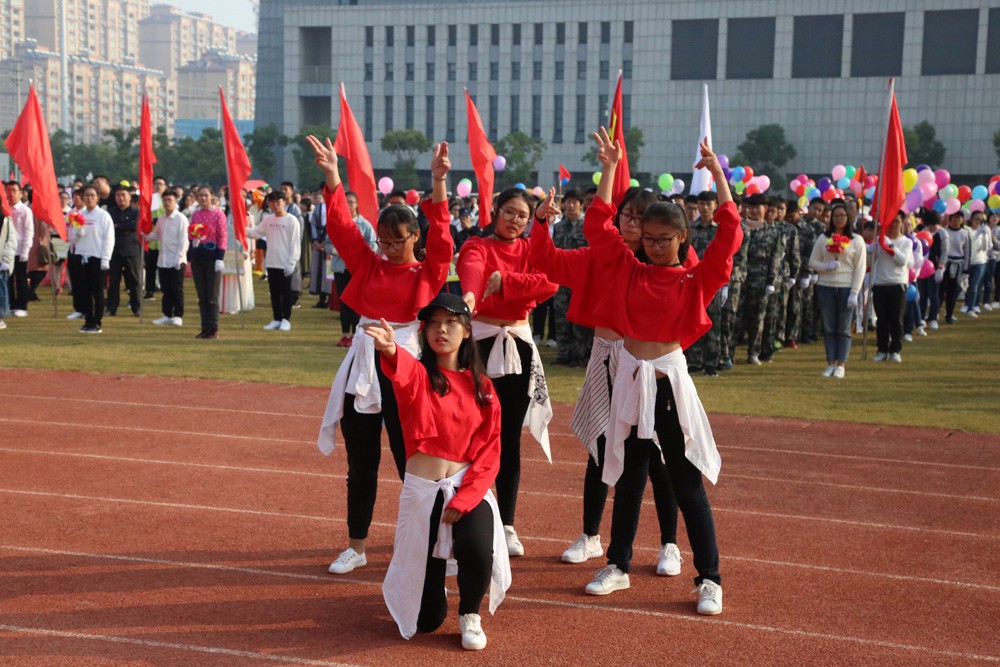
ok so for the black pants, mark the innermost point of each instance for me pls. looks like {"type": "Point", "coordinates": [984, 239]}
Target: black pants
{"type": "Point", "coordinates": [512, 392]}
{"type": "Point", "coordinates": [688, 490]}
{"type": "Point", "coordinates": [363, 441]}
{"type": "Point", "coordinates": [19, 285]}
{"type": "Point", "coordinates": [172, 284]}
{"type": "Point", "coordinates": [35, 279]}
{"type": "Point", "coordinates": [152, 257]}
{"type": "Point", "coordinates": [472, 536]}
{"type": "Point", "coordinates": [949, 287]}
{"type": "Point", "coordinates": [543, 312]}
{"type": "Point", "coordinates": [90, 289]}
{"type": "Point", "coordinates": [127, 267]}
{"type": "Point", "coordinates": [889, 302]}
{"type": "Point", "coordinates": [280, 286]}
{"type": "Point", "coordinates": [75, 269]}
{"type": "Point", "coordinates": [206, 284]}
{"type": "Point", "coordinates": [348, 318]}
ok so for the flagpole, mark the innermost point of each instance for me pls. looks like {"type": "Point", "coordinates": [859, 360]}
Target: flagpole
{"type": "Point", "coordinates": [55, 288]}
{"type": "Point", "coordinates": [241, 259]}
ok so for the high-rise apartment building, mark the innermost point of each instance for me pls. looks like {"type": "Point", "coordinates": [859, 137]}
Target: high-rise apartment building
{"type": "Point", "coordinates": [12, 26]}
{"type": "Point", "coordinates": [170, 37]}
{"type": "Point", "coordinates": [105, 30]}
{"type": "Point", "coordinates": [198, 85]}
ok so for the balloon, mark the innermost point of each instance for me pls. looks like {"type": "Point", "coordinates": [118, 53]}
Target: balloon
{"type": "Point", "coordinates": [964, 193]}
{"type": "Point", "coordinates": [838, 172]}
{"type": "Point", "coordinates": [952, 206]}
{"type": "Point", "coordinates": [850, 170]}
{"type": "Point", "coordinates": [412, 197]}
{"type": "Point", "coordinates": [752, 188]}
{"type": "Point", "coordinates": [829, 194]}
{"type": "Point", "coordinates": [927, 176]}
{"type": "Point", "coordinates": [464, 188]}
{"type": "Point", "coordinates": [812, 193]}
{"type": "Point", "coordinates": [596, 178]}
{"type": "Point", "coordinates": [870, 193]}
{"type": "Point", "coordinates": [928, 190]}
{"type": "Point", "coordinates": [926, 269]}
{"type": "Point", "coordinates": [909, 179]}
{"type": "Point", "coordinates": [922, 167]}
{"type": "Point", "coordinates": [948, 192]}
{"type": "Point", "coordinates": [738, 174]}
{"type": "Point", "coordinates": [385, 185]}
{"type": "Point", "coordinates": [723, 160]}
{"type": "Point", "coordinates": [747, 174]}
{"type": "Point", "coordinates": [764, 182]}
{"type": "Point", "coordinates": [794, 185]}
{"type": "Point", "coordinates": [727, 173]}
{"type": "Point", "coordinates": [870, 181]}
{"type": "Point", "coordinates": [666, 182]}
{"type": "Point", "coordinates": [521, 186]}
{"type": "Point", "coordinates": [996, 187]}
{"type": "Point", "coordinates": [499, 163]}
{"type": "Point", "coordinates": [801, 190]}
{"type": "Point", "coordinates": [803, 202]}
{"type": "Point", "coordinates": [942, 178]}
{"type": "Point", "coordinates": [824, 184]}
{"type": "Point", "coordinates": [914, 200]}
{"type": "Point", "coordinates": [538, 192]}
{"type": "Point", "coordinates": [940, 206]}
{"type": "Point", "coordinates": [740, 186]}
{"type": "Point", "coordinates": [632, 183]}
{"type": "Point", "coordinates": [844, 183]}
{"type": "Point", "coordinates": [980, 192]}
{"type": "Point", "coordinates": [856, 188]}
{"type": "Point", "coordinates": [678, 185]}
{"type": "Point", "coordinates": [994, 201]}
{"type": "Point", "coordinates": [976, 205]}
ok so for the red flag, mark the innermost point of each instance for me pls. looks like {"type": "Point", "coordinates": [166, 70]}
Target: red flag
{"type": "Point", "coordinates": [3, 202]}
{"type": "Point", "coordinates": [482, 153]}
{"type": "Point", "coordinates": [564, 175]}
{"type": "Point", "coordinates": [616, 131]}
{"type": "Point", "coordinates": [350, 143]}
{"type": "Point", "coordinates": [237, 169]}
{"type": "Point", "coordinates": [28, 144]}
{"type": "Point", "coordinates": [889, 195]}
{"type": "Point", "coordinates": [146, 161]}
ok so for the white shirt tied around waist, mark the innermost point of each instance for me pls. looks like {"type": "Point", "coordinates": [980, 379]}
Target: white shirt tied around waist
{"type": "Point", "coordinates": [633, 402]}
{"type": "Point", "coordinates": [504, 360]}
{"type": "Point", "coordinates": [357, 376]}
{"type": "Point", "coordinates": [593, 407]}
{"type": "Point", "coordinates": [403, 586]}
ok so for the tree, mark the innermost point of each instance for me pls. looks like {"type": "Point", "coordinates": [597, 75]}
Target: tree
{"type": "Point", "coordinates": [767, 151]}
{"type": "Point", "coordinates": [406, 146]}
{"type": "Point", "coordinates": [522, 153]}
{"type": "Point", "coordinates": [633, 148]}
{"type": "Point", "coordinates": [922, 147]}
{"type": "Point", "coordinates": [309, 175]}
{"type": "Point", "coordinates": [261, 147]}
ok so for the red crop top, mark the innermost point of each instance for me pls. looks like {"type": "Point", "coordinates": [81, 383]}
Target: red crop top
{"type": "Point", "coordinates": [453, 427]}
{"type": "Point", "coordinates": [523, 285]}
{"type": "Point", "coordinates": [659, 303]}
{"type": "Point", "coordinates": [379, 288]}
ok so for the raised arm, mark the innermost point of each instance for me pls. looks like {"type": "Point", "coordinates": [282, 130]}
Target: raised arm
{"type": "Point", "coordinates": [440, 166]}
{"type": "Point", "coordinates": [598, 222]}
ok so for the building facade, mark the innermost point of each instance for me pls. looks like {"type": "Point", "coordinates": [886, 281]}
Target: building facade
{"type": "Point", "coordinates": [171, 37]}
{"type": "Point", "coordinates": [548, 68]}
{"type": "Point", "coordinates": [198, 85]}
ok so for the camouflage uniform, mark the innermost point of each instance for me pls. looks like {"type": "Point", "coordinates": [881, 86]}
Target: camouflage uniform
{"type": "Point", "coordinates": [800, 301]}
{"type": "Point", "coordinates": [705, 352]}
{"type": "Point", "coordinates": [730, 308]}
{"type": "Point", "coordinates": [574, 340]}
{"type": "Point", "coordinates": [766, 249]}
{"type": "Point", "coordinates": [774, 323]}
{"type": "Point", "coordinates": [812, 325]}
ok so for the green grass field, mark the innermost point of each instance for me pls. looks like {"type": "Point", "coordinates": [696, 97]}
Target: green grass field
{"type": "Point", "coordinates": [948, 379]}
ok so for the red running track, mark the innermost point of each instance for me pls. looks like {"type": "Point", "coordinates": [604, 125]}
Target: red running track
{"type": "Point", "coordinates": [139, 529]}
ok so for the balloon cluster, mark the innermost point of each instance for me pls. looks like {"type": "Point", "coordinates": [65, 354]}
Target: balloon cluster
{"type": "Point", "coordinates": [743, 180]}
{"type": "Point", "coordinates": [670, 185]}
{"type": "Point", "coordinates": [842, 178]}
{"type": "Point", "coordinates": [933, 189]}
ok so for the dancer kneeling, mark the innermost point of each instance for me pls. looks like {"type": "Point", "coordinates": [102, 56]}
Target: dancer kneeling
{"type": "Point", "coordinates": [451, 424]}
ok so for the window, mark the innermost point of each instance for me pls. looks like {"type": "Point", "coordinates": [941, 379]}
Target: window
{"type": "Point", "coordinates": [537, 72]}
{"type": "Point", "coordinates": [411, 35]}
{"type": "Point", "coordinates": [369, 36]}
{"type": "Point", "coordinates": [750, 48]}
{"type": "Point", "coordinates": [473, 71]}
{"type": "Point", "coordinates": [515, 71]}
{"type": "Point", "coordinates": [409, 112]}
{"type": "Point", "coordinates": [494, 113]}
{"type": "Point", "coordinates": [516, 34]}
{"type": "Point", "coordinates": [473, 35]}
{"type": "Point", "coordinates": [536, 116]}
{"type": "Point", "coordinates": [389, 36]}
{"type": "Point", "coordinates": [557, 120]}
{"type": "Point", "coordinates": [993, 43]}
{"type": "Point", "coordinates": [515, 114]}
{"type": "Point", "coordinates": [877, 44]}
{"type": "Point", "coordinates": [581, 33]}
{"type": "Point", "coordinates": [605, 71]}
{"type": "Point", "coordinates": [581, 70]}
{"type": "Point", "coordinates": [369, 72]}
{"type": "Point", "coordinates": [602, 109]}
{"type": "Point", "coordinates": [694, 49]}
{"type": "Point", "coordinates": [452, 35]}
{"type": "Point", "coordinates": [409, 71]}
{"type": "Point", "coordinates": [388, 113]}
{"type": "Point", "coordinates": [817, 46]}
{"type": "Point", "coordinates": [430, 35]}
{"type": "Point", "coordinates": [950, 42]}
{"type": "Point", "coordinates": [429, 117]}
{"type": "Point", "coordinates": [495, 35]}
{"type": "Point", "coordinates": [626, 69]}
{"type": "Point", "coordinates": [430, 71]}
{"type": "Point", "coordinates": [560, 67]}
{"type": "Point", "coordinates": [450, 129]}
{"type": "Point", "coordinates": [388, 71]}
{"type": "Point", "coordinates": [539, 33]}
{"type": "Point", "coordinates": [628, 30]}
{"type": "Point", "coordinates": [369, 117]}
{"type": "Point", "coordinates": [451, 71]}
{"type": "Point", "coordinates": [560, 33]}
{"type": "Point", "coordinates": [581, 119]}
{"type": "Point", "coordinates": [626, 111]}
{"type": "Point", "coordinates": [605, 32]}
{"type": "Point", "coordinates": [494, 71]}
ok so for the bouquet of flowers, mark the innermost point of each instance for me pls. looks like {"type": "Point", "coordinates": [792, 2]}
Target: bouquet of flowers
{"type": "Point", "coordinates": [837, 244]}
{"type": "Point", "coordinates": [76, 219]}
{"type": "Point", "coordinates": [197, 232]}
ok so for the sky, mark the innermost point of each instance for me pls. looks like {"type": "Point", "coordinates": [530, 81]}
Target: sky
{"type": "Point", "coordinates": [233, 13]}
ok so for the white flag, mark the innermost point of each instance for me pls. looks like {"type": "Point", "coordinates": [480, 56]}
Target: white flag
{"type": "Point", "coordinates": [701, 180]}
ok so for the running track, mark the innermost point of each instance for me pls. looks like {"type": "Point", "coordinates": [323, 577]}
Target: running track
{"type": "Point", "coordinates": [138, 528]}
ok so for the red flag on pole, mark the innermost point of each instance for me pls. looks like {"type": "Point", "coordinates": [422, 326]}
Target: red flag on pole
{"type": "Point", "coordinates": [237, 169]}
{"type": "Point", "coordinates": [350, 143]}
{"type": "Point", "coordinates": [28, 144]}
{"type": "Point", "coordinates": [146, 161]}
{"type": "Point", "coordinates": [889, 195]}
{"type": "Point", "coordinates": [482, 153]}
{"type": "Point", "coordinates": [564, 175]}
{"type": "Point", "coordinates": [616, 131]}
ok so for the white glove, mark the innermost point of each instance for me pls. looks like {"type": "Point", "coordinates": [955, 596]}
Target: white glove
{"type": "Point", "coordinates": [195, 242]}
{"type": "Point", "coordinates": [831, 265]}
{"type": "Point", "coordinates": [769, 290]}
{"type": "Point", "coordinates": [804, 283]}
{"type": "Point", "coordinates": [963, 282]}
{"type": "Point", "coordinates": [81, 232]}
{"type": "Point", "coordinates": [791, 283]}
{"type": "Point", "coordinates": [105, 265]}
{"type": "Point", "coordinates": [289, 272]}
{"type": "Point", "coordinates": [219, 265]}
{"type": "Point", "coordinates": [24, 258]}
{"type": "Point", "coordinates": [4, 266]}
{"type": "Point", "coordinates": [852, 300]}
{"type": "Point", "coordinates": [939, 275]}
{"type": "Point", "coordinates": [724, 294]}
{"type": "Point", "coordinates": [813, 278]}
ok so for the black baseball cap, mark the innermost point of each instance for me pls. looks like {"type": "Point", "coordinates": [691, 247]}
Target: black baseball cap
{"type": "Point", "coordinates": [450, 302]}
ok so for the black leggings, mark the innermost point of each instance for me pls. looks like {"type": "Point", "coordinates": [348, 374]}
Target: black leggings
{"type": "Point", "coordinates": [363, 441]}
{"type": "Point", "coordinates": [348, 318]}
{"type": "Point", "coordinates": [472, 536]}
{"type": "Point", "coordinates": [688, 490]}
{"type": "Point", "coordinates": [280, 287]}
{"type": "Point", "coordinates": [512, 392]}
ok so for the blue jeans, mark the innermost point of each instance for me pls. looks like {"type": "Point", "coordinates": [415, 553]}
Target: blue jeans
{"type": "Point", "coordinates": [975, 291]}
{"type": "Point", "coordinates": [4, 295]}
{"type": "Point", "coordinates": [989, 282]}
{"type": "Point", "coordinates": [837, 316]}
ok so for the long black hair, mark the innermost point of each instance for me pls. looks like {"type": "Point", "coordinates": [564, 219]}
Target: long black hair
{"type": "Point", "coordinates": [468, 358]}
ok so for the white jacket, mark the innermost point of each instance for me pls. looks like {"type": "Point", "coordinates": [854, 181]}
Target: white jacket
{"type": "Point", "coordinates": [97, 236]}
{"type": "Point", "coordinates": [284, 240]}
{"type": "Point", "coordinates": [8, 244]}
{"type": "Point", "coordinates": [850, 269]}
{"type": "Point", "coordinates": [892, 269]}
{"type": "Point", "coordinates": [24, 223]}
{"type": "Point", "coordinates": [172, 233]}
{"type": "Point", "coordinates": [982, 243]}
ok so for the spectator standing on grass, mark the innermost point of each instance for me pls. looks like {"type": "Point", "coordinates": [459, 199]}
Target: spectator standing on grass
{"type": "Point", "coordinates": [956, 266]}
{"type": "Point", "coordinates": [170, 234]}
{"type": "Point", "coordinates": [284, 245]}
{"type": "Point", "coordinates": [890, 279]}
{"type": "Point", "coordinates": [319, 284]}
{"type": "Point", "coordinates": [94, 241]}
{"type": "Point", "coordinates": [980, 244]}
{"type": "Point", "coordinates": [930, 287]}
{"type": "Point", "coordinates": [574, 340]}
{"type": "Point", "coordinates": [125, 259]}
{"type": "Point", "coordinates": [23, 222]}
{"type": "Point", "coordinates": [8, 251]}
{"type": "Point", "coordinates": [349, 317]}
{"type": "Point", "coordinates": [207, 231]}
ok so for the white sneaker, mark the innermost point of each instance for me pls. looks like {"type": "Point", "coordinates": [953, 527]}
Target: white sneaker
{"type": "Point", "coordinates": [285, 325]}
{"type": "Point", "coordinates": [537, 339]}
{"type": "Point", "coordinates": [669, 563]}
{"type": "Point", "coordinates": [908, 338]}
{"type": "Point", "coordinates": [161, 321]}
{"type": "Point", "coordinates": [828, 373]}
{"type": "Point", "coordinates": [551, 343]}
{"type": "Point", "coordinates": [19, 313]}
{"type": "Point", "coordinates": [3, 325]}
{"type": "Point", "coordinates": [977, 309]}
{"type": "Point", "coordinates": [347, 561]}
{"type": "Point", "coordinates": [933, 325]}
{"type": "Point", "coordinates": [608, 580]}
{"type": "Point", "coordinates": [473, 637]}
{"type": "Point", "coordinates": [921, 331]}
{"type": "Point", "coordinates": [964, 309]}
{"type": "Point", "coordinates": [176, 322]}
{"type": "Point", "coordinates": [986, 306]}
{"type": "Point", "coordinates": [896, 358]}
{"type": "Point", "coordinates": [838, 372]}
{"type": "Point", "coordinates": [881, 356]}
{"type": "Point", "coordinates": [972, 314]}
{"type": "Point", "coordinates": [710, 595]}
{"type": "Point", "coordinates": [585, 548]}
{"type": "Point", "coordinates": [74, 316]}
{"type": "Point", "coordinates": [995, 305]}
{"type": "Point", "coordinates": [272, 325]}
{"type": "Point", "coordinates": [514, 546]}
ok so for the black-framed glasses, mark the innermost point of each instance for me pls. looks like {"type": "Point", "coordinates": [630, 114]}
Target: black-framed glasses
{"type": "Point", "coordinates": [661, 242]}
{"type": "Point", "coordinates": [394, 245]}
{"type": "Point", "coordinates": [630, 219]}
{"type": "Point", "coordinates": [518, 218]}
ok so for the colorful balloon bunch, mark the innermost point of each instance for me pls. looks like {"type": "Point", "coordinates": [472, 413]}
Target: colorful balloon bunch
{"type": "Point", "coordinates": [842, 178]}
{"type": "Point", "coordinates": [933, 189]}
{"type": "Point", "coordinates": [670, 185]}
{"type": "Point", "coordinates": [742, 179]}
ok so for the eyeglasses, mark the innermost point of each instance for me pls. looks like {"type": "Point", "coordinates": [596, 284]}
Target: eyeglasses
{"type": "Point", "coordinates": [519, 219]}
{"type": "Point", "coordinates": [661, 242]}
{"type": "Point", "coordinates": [394, 245]}
{"type": "Point", "coordinates": [630, 219]}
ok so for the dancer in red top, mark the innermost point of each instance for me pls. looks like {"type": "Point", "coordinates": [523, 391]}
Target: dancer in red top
{"type": "Point", "coordinates": [451, 421]}
{"type": "Point", "coordinates": [499, 280]}
{"type": "Point", "coordinates": [393, 288]}
{"type": "Point", "coordinates": [660, 309]}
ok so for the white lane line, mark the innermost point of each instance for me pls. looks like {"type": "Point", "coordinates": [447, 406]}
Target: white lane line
{"type": "Point", "coordinates": [165, 406]}
{"type": "Point", "coordinates": [554, 540]}
{"type": "Point", "coordinates": [164, 431]}
{"type": "Point", "coordinates": [306, 473]}
{"type": "Point", "coordinates": [854, 457]}
{"type": "Point", "coordinates": [191, 648]}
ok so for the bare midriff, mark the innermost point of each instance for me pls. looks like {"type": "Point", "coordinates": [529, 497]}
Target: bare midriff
{"type": "Point", "coordinates": [500, 323]}
{"type": "Point", "coordinates": [650, 349]}
{"type": "Point", "coordinates": [433, 467]}
{"type": "Point", "coordinates": [607, 334]}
